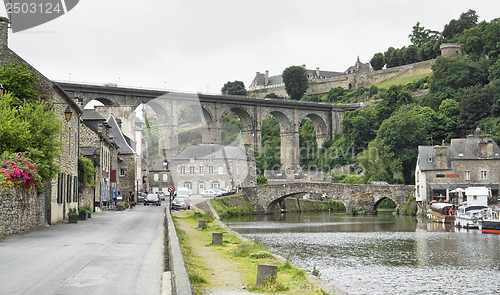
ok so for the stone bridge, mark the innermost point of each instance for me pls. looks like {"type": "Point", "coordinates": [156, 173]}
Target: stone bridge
{"type": "Point", "coordinates": [169, 106]}
{"type": "Point", "coordinates": [361, 196]}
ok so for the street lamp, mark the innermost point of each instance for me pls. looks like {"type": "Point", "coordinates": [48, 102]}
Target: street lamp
{"type": "Point", "coordinates": [67, 113]}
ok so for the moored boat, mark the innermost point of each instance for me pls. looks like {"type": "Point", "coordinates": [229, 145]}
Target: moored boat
{"type": "Point", "coordinates": [490, 223]}
{"type": "Point", "coordinates": [441, 212]}
{"type": "Point", "coordinates": [471, 213]}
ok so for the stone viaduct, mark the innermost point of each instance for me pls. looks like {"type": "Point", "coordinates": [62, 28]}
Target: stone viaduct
{"type": "Point", "coordinates": [168, 107]}
{"type": "Point", "coordinates": [361, 196]}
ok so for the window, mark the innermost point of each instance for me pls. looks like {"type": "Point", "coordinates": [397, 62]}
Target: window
{"type": "Point", "coordinates": [183, 170]}
{"type": "Point", "coordinates": [201, 170]}
{"type": "Point", "coordinates": [191, 170]}
{"type": "Point", "coordinates": [483, 174]}
{"type": "Point", "coordinates": [210, 159]}
{"type": "Point", "coordinates": [188, 185]}
{"type": "Point", "coordinates": [237, 170]}
{"type": "Point", "coordinates": [156, 177]}
{"type": "Point", "coordinates": [467, 175]}
{"type": "Point", "coordinates": [210, 170]}
{"type": "Point", "coordinates": [122, 172]}
{"type": "Point", "coordinates": [191, 160]}
{"type": "Point", "coordinates": [201, 186]}
{"type": "Point", "coordinates": [220, 169]}
{"type": "Point", "coordinates": [215, 184]}
{"type": "Point", "coordinates": [165, 177]}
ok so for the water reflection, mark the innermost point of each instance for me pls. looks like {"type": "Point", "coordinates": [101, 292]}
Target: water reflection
{"type": "Point", "coordinates": [382, 254]}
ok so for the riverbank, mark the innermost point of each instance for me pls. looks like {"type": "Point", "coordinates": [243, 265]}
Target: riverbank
{"type": "Point", "coordinates": [240, 205]}
{"type": "Point", "coordinates": [232, 267]}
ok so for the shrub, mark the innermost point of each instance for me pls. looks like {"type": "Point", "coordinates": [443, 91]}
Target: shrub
{"type": "Point", "coordinates": [18, 171]}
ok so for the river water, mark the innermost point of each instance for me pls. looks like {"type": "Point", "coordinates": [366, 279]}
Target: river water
{"type": "Point", "coordinates": [381, 254]}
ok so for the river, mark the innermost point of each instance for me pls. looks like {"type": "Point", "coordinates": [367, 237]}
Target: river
{"type": "Point", "coordinates": [381, 254]}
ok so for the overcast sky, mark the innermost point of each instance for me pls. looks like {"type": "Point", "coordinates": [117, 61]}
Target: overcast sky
{"type": "Point", "coordinates": [200, 44]}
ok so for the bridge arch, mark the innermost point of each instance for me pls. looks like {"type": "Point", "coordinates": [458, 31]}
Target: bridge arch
{"type": "Point", "coordinates": [247, 122]}
{"type": "Point", "coordinates": [320, 127]}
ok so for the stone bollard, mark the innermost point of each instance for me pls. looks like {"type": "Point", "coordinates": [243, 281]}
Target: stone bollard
{"type": "Point", "coordinates": [201, 223]}
{"type": "Point", "coordinates": [265, 271]}
{"type": "Point", "coordinates": [216, 238]}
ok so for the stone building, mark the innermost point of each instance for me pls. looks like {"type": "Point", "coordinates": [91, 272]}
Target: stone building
{"type": "Point", "coordinates": [62, 192]}
{"type": "Point", "coordinates": [471, 161]}
{"type": "Point", "coordinates": [97, 145]}
{"type": "Point", "coordinates": [123, 171]}
{"type": "Point", "coordinates": [207, 166]}
{"type": "Point", "coordinates": [276, 84]}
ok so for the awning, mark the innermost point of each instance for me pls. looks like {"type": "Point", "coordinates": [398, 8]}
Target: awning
{"type": "Point", "coordinates": [459, 187]}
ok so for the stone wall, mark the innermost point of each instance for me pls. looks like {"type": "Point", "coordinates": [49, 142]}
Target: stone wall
{"type": "Point", "coordinates": [20, 211]}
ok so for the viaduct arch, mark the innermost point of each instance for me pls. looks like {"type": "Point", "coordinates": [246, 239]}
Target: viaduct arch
{"type": "Point", "coordinates": [168, 106]}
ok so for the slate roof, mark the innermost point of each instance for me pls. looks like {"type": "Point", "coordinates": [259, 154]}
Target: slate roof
{"type": "Point", "coordinates": [91, 114]}
{"type": "Point", "coordinates": [260, 78]}
{"type": "Point", "coordinates": [461, 148]}
{"type": "Point", "coordinates": [468, 147]}
{"type": "Point", "coordinates": [123, 147]}
{"type": "Point", "coordinates": [89, 151]}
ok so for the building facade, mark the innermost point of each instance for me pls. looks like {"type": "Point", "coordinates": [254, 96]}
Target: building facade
{"type": "Point", "coordinates": [467, 162]}
{"type": "Point", "coordinates": [204, 167]}
{"type": "Point", "coordinates": [62, 192]}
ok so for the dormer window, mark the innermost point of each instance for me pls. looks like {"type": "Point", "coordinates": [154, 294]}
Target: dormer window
{"type": "Point", "coordinates": [430, 160]}
{"type": "Point", "coordinates": [460, 155]}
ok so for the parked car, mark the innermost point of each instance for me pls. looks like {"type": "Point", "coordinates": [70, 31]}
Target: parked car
{"type": "Point", "coordinates": [179, 203]}
{"type": "Point", "coordinates": [162, 196]}
{"type": "Point", "coordinates": [152, 199]}
{"type": "Point", "coordinates": [379, 183]}
{"type": "Point", "coordinates": [218, 192]}
{"type": "Point", "coordinates": [208, 193]}
{"type": "Point", "coordinates": [140, 197]}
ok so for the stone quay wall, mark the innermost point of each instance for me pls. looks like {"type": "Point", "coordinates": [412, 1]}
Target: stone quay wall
{"type": "Point", "coordinates": [21, 210]}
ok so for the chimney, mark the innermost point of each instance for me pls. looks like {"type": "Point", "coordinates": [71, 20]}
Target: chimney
{"type": "Point", "coordinates": [317, 72]}
{"type": "Point", "coordinates": [267, 77]}
{"type": "Point", "coordinates": [440, 157]}
{"type": "Point", "coordinates": [485, 148]}
{"type": "Point", "coordinates": [4, 33]}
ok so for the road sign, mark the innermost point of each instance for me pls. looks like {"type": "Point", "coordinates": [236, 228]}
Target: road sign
{"type": "Point", "coordinates": [170, 189]}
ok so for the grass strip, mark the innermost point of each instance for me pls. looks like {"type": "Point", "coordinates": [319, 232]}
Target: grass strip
{"type": "Point", "coordinates": [242, 257]}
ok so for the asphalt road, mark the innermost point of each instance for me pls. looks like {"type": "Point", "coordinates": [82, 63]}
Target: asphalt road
{"type": "Point", "coordinates": [111, 253]}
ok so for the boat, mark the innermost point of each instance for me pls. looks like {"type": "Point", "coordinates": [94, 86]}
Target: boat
{"type": "Point", "coordinates": [441, 212]}
{"type": "Point", "coordinates": [471, 213]}
{"type": "Point", "coordinates": [490, 223]}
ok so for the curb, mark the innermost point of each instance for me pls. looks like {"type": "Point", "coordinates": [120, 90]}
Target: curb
{"type": "Point", "coordinates": [179, 278]}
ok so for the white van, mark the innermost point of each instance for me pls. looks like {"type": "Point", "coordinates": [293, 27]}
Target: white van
{"type": "Point", "coordinates": [183, 192]}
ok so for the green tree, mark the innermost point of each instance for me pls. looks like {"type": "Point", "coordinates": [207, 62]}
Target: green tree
{"type": "Point", "coordinates": [360, 127]}
{"type": "Point", "coordinates": [391, 58]}
{"type": "Point", "coordinates": [296, 81]}
{"type": "Point", "coordinates": [33, 128]}
{"type": "Point", "coordinates": [402, 133]}
{"type": "Point", "coordinates": [262, 180]}
{"type": "Point", "coordinates": [234, 88]}
{"type": "Point", "coordinates": [474, 107]}
{"type": "Point", "coordinates": [271, 95]}
{"type": "Point", "coordinates": [377, 61]}
{"type": "Point", "coordinates": [420, 35]}
{"type": "Point", "coordinates": [86, 172]}
{"type": "Point", "coordinates": [307, 142]}
{"type": "Point", "coordinates": [18, 79]}
{"type": "Point", "coordinates": [455, 27]}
